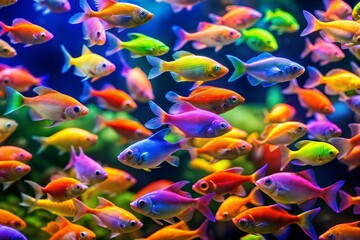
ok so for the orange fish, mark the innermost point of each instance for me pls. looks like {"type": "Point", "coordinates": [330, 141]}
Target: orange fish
{"type": "Point", "coordinates": [346, 145]}
{"type": "Point", "coordinates": [61, 228]}
{"type": "Point", "coordinates": [23, 31]}
{"type": "Point", "coordinates": [335, 10]}
{"type": "Point", "coordinates": [347, 201]}
{"type": "Point", "coordinates": [279, 113]}
{"type": "Point", "coordinates": [11, 171]}
{"type": "Point", "coordinates": [352, 161]}
{"type": "Point", "coordinates": [59, 190]}
{"type": "Point", "coordinates": [153, 186]}
{"type": "Point", "coordinates": [11, 220]}
{"type": "Point", "coordinates": [14, 153]}
{"type": "Point", "coordinates": [109, 98]}
{"type": "Point", "coordinates": [343, 231]}
{"type": "Point", "coordinates": [49, 105]}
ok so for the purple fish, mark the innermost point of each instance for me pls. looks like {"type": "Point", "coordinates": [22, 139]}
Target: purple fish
{"type": "Point", "coordinates": [55, 6]}
{"type": "Point", "coordinates": [298, 188]}
{"type": "Point", "coordinates": [87, 170]}
{"type": "Point", "coordinates": [170, 202]}
{"type": "Point", "coordinates": [10, 233]}
{"type": "Point", "coordinates": [189, 120]}
{"type": "Point", "coordinates": [352, 102]}
{"type": "Point", "coordinates": [322, 129]}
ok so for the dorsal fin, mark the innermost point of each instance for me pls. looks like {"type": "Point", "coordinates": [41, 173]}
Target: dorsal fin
{"type": "Point", "coordinates": [236, 170]}
{"type": "Point", "coordinates": [101, 4]}
{"type": "Point", "coordinates": [336, 71]}
{"type": "Point", "coordinates": [104, 203]}
{"type": "Point", "coordinates": [176, 187]}
{"type": "Point", "coordinates": [160, 135]}
{"type": "Point", "coordinates": [302, 143]}
{"type": "Point", "coordinates": [18, 21]}
{"type": "Point", "coordinates": [107, 86]}
{"type": "Point", "coordinates": [181, 54]}
{"type": "Point", "coordinates": [204, 25]}
{"type": "Point", "coordinates": [354, 129]}
{"type": "Point", "coordinates": [267, 130]}
{"type": "Point", "coordinates": [277, 207]}
{"type": "Point", "coordinates": [320, 117]}
{"type": "Point", "coordinates": [62, 222]}
{"type": "Point", "coordinates": [85, 50]}
{"type": "Point", "coordinates": [22, 68]}
{"type": "Point", "coordinates": [200, 89]}
{"type": "Point", "coordinates": [136, 35]}
{"type": "Point", "coordinates": [182, 107]}
{"type": "Point", "coordinates": [261, 56]}
{"type": "Point", "coordinates": [41, 90]}
{"type": "Point", "coordinates": [309, 175]}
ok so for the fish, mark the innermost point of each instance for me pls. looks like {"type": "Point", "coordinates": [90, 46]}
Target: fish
{"type": "Point", "coordinates": [52, 6]}
{"type": "Point", "coordinates": [61, 228]}
{"type": "Point", "coordinates": [281, 21]}
{"type": "Point", "coordinates": [11, 220]}
{"type": "Point", "coordinates": [11, 233]}
{"type": "Point", "coordinates": [58, 190]}
{"type": "Point", "coordinates": [14, 153]}
{"type": "Point", "coordinates": [298, 188]}
{"type": "Point", "coordinates": [205, 165]}
{"type": "Point", "coordinates": [139, 45]}
{"type": "Point", "coordinates": [137, 82]}
{"type": "Point", "coordinates": [65, 138]}
{"type": "Point", "coordinates": [346, 145]}
{"type": "Point", "coordinates": [352, 161]}
{"type": "Point", "coordinates": [207, 35]}
{"type": "Point", "coordinates": [170, 202]}
{"type": "Point", "coordinates": [270, 219]}
{"type": "Point", "coordinates": [49, 104]}
{"type": "Point", "coordinates": [253, 237]}
{"type": "Point", "coordinates": [312, 99]}
{"type": "Point", "coordinates": [334, 10]}
{"type": "Point", "coordinates": [178, 5]}
{"type": "Point", "coordinates": [322, 129]}
{"type": "Point", "coordinates": [190, 121]}
{"type": "Point", "coordinates": [265, 69]}
{"type": "Point", "coordinates": [352, 102]}
{"type": "Point", "coordinates": [88, 65]}
{"type": "Point", "coordinates": [337, 80]}
{"type": "Point", "coordinates": [6, 3]}
{"type": "Point", "coordinates": [347, 201]}
{"type": "Point", "coordinates": [108, 215]}
{"type": "Point", "coordinates": [113, 14]}
{"type": "Point", "coordinates": [11, 171]}
{"type": "Point", "coordinates": [228, 181]}
{"type": "Point", "coordinates": [341, 31]}
{"type": "Point", "coordinates": [7, 127]}
{"type": "Point", "coordinates": [188, 67]}
{"type": "Point", "coordinates": [153, 186]}
{"type": "Point", "coordinates": [65, 208]}
{"type": "Point", "coordinates": [87, 170]}
{"type": "Point", "coordinates": [233, 205]}
{"type": "Point", "coordinates": [356, 12]}
{"type": "Point", "coordinates": [280, 113]}
{"type": "Point", "coordinates": [309, 153]}
{"type": "Point", "coordinates": [109, 98]}
{"type": "Point", "coordinates": [349, 231]}
{"type": "Point", "coordinates": [237, 17]}
{"type": "Point", "coordinates": [23, 31]}
{"type": "Point", "coordinates": [151, 152]}
{"type": "Point", "coordinates": [94, 32]}
{"type": "Point", "coordinates": [258, 40]}
{"type": "Point", "coordinates": [281, 134]}
{"type": "Point", "coordinates": [6, 51]}
{"type": "Point", "coordinates": [355, 51]}
{"type": "Point", "coordinates": [322, 51]}
{"type": "Point", "coordinates": [213, 99]}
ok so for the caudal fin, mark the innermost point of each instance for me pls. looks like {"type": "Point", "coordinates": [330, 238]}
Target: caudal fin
{"type": "Point", "coordinates": [114, 44]}
{"type": "Point", "coordinates": [14, 100]}
{"type": "Point", "coordinates": [330, 193]}
{"type": "Point", "coordinates": [72, 158]}
{"type": "Point", "coordinates": [315, 77]}
{"type": "Point", "coordinates": [3, 28]}
{"type": "Point", "coordinates": [81, 17]}
{"type": "Point", "coordinates": [216, 19]}
{"type": "Point", "coordinates": [37, 189]}
{"type": "Point", "coordinates": [201, 231]}
{"type": "Point", "coordinates": [308, 48]}
{"type": "Point", "coordinates": [42, 141]}
{"type": "Point", "coordinates": [158, 121]}
{"type": "Point", "coordinates": [292, 89]}
{"type": "Point", "coordinates": [67, 58]}
{"type": "Point", "coordinates": [305, 222]}
{"type": "Point", "coordinates": [172, 97]}
{"type": "Point", "coordinates": [27, 201]}
{"type": "Point", "coordinates": [343, 145]}
{"type": "Point", "coordinates": [100, 123]}
{"type": "Point", "coordinates": [255, 197]}
{"type": "Point", "coordinates": [240, 68]}
{"type": "Point", "coordinates": [259, 173]}
{"type": "Point", "coordinates": [86, 94]}
{"type": "Point", "coordinates": [181, 37]}
{"type": "Point", "coordinates": [313, 24]}
{"type": "Point", "coordinates": [285, 156]}
{"type": "Point", "coordinates": [80, 209]}
{"type": "Point", "coordinates": [157, 64]}
{"type": "Point", "coordinates": [203, 206]}
{"type": "Point", "coordinates": [346, 201]}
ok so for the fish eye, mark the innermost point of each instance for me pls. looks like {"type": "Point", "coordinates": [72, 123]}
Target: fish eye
{"type": "Point", "coordinates": [104, 65]}
{"type": "Point", "coordinates": [87, 139]}
{"type": "Point", "coordinates": [128, 179]}
{"type": "Point", "coordinates": [233, 99]}
{"type": "Point", "coordinates": [142, 203]}
{"type": "Point", "coordinates": [17, 224]}
{"type": "Point", "coordinates": [299, 129]}
{"type": "Point", "coordinates": [97, 172]}
{"type": "Point", "coordinates": [76, 109]}
{"type": "Point", "coordinates": [18, 168]}
{"type": "Point", "coordinates": [217, 68]}
{"type": "Point", "coordinates": [243, 147]}
{"type": "Point", "coordinates": [243, 222]}
{"type": "Point", "coordinates": [231, 33]}
{"type": "Point", "coordinates": [5, 50]}
{"type": "Point", "coordinates": [142, 13]}
{"type": "Point", "coordinates": [8, 125]}
{"type": "Point", "coordinates": [6, 81]}
{"type": "Point", "coordinates": [129, 154]}
{"type": "Point", "coordinates": [331, 236]}
{"type": "Point", "coordinates": [294, 68]}
{"type": "Point", "coordinates": [21, 155]}
{"type": "Point", "coordinates": [78, 187]}
{"type": "Point", "coordinates": [268, 41]}
{"type": "Point", "coordinates": [331, 152]}
{"type": "Point", "coordinates": [204, 186]}
{"type": "Point", "coordinates": [225, 214]}
{"type": "Point", "coordinates": [133, 223]}
{"type": "Point", "coordinates": [268, 182]}
{"type": "Point", "coordinates": [42, 34]}
{"type": "Point", "coordinates": [331, 130]}
{"type": "Point", "coordinates": [98, 34]}
{"type": "Point", "coordinates": [83, 234]}
{"type": "Point", "coordinates": [223, 125]}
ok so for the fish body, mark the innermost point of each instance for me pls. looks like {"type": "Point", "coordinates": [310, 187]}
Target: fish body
{"type": "Point", "coordinates": [94, 32]}
{"type": "Point", "coordinates": [6, 51]}
{"type": "Point", "coordinates": [11, 171]}
{"type": "Point", "coordinates": [205, 165]}
{"type": "Point", "coordinates": [235, 133]}
{"type": "Point", "coordinates": [352, 161]}
{"type": "Point", "coordinates": [6, 3]}
{"type": "Point", "coordinates": [11, 233]}
{"type": "Point", "coordinates": [213, 99]}
{"type": "Point", "coordinates": [348, 231]}
{"type": "Point", "coordinates": [347, 201]}
{"type": "Point", "coordinates": [266, 69]}
{"type": "Point", "coordinates": [151, 152]}
{"type": "Point", "coordinates": [334, 10]}
{"type": "Point", "coordinates": [356, 12]}
{"type": "Point", "coordinates": [65, 138]}
{"type": "Point", "coordinates": [298, 188]}
{"type": "Point", "coordinates": [281, 21]}
{"type": "Point", "coordinates": [227, 181]}
{"type": "Point", "coordinates": [11, 220]}
{"type": "Point", "coordinates": [322, 129]}
{"type": "Point", "coordinates": [191, 121]}
{"type": "Point", "coordinates": [7, 127]}
{"type": "Point", "coordinates": [14, 153]}
{"type": "Point", "coordinates": [54, 6]}
{"type": "Point", "coordinates": [207, 35]}
{"type": "Point", "coordinates": [345, 145]}
{"type": "Point", "coordinates": [153, 186]}
{"type": "Point", "coordinates": [258, 40]}
{"type": "Point", "coordinates": [178, 5]}
{"type": "Point", "coordinates": [280, 113]}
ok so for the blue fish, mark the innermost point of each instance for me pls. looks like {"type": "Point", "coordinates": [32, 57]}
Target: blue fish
{"type": "Point", "coordinates": [10, 233]}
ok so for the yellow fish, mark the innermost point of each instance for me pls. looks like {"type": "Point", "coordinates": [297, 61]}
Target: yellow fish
{"type": "Point", "coordinates": [6, 51]}
{"type": "Point", "coordinates": [279, 113]}
{"type": "Point", "coordinates": [204, 165]}
{"type": "Point", "coordinates": [7, 127]}
{"type": "Point", "coordinates": [88, 65]}
{"type": "Point", "coordinates": [11, 220]}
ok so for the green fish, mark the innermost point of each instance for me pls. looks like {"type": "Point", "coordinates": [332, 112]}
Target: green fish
{"type": "Point", "coordinates": [310, 153]}
{"type": "Point", "coordinates": [259, 40]}
{"type": "Point", "coordinates": [281, 21]}
{"type": "Point", "coordinates": [356, 12]}
{"type": "Point", "coordinates": [140, 45]}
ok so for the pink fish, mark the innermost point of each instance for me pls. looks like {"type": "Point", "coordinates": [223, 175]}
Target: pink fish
{"type": "Point", "coordinates": [94, 32]}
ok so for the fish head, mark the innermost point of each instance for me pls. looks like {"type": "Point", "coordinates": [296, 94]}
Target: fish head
{"type": "Point", "coordinates": [265, 45]}
{"type": "Point", "coordinates": [6, 78]}
{"type": "Point", "coordinates": [127, 180]}
{"type": "Point", "coordinates": [244, 221]}
{"type": "Point", "coordinates": [161, 49]}
{"type": "Point", "coordinates": [141, 16]}
{"type": "Point", "coordinates": [8, 126]}
{"type": "Point", "coordinates": [328, 154]}
{"type": "Point", "coordinates": [99, 36]}
{"type": "Point", "coordinates": [142, 133]}
{"type": "Point", "coordinates": [129, 225]}
{"type": "Point", "coordinates": [19, 169]}
{"type": "Point", "coordinates": [18, 224]}
{"type": "Point", "coordinates": [332, 131]}
{"type": "Point", "coordinates": [142, 205]}
{"type": "Point", "coordinates": [97, 175]}
{"type": "Point", "coordinates": [294, 70]}
{"type": "Point", "coordinates": [76, 189]}
{"type": "Point", "coordinates": [22, 156]}
{"type": "Point", "coordinates": [232, 101]}
{"type": "Point", "coordinates": [75, 111]}
{"type": "Point", "coordinates": [343, 10]}
{"type": "Point", "coordinates": [243, 147]}
{"type": "Point", "coordinates": [7, 51]}
{"type": "Point", "coordinates": [336, 54]}
{"type": "Point", "coordinates": [253, 16]}
{"type": "Point", "coordinates": [129, 105]}
{"type": "Point", "coordinates": [84, 233]}
{"type": "Point", "coordinates": [327, 108]}
{"type": "Point", "coordinates": [267, 184]}
{"type": "Point", "coordinates": [217, 128]}
{"type": "Point", "coordinates": [61, 6]}
{"type": "Point", "coordinates": [104, 68]}
{"type": "Point", "coordinates": [230, 34]}
{"type": "Point", "coordinates": [131, 156]}
{"type": "Point", "coordinates": [88, 141]}
{"type": "Point", "coordinates": [297, 130]}
{"type": "Point", "coordinates": [331, 234]}
{"type": "Point", "coordinates": [354, 102]}
{"type": "Point", "coordinates": [217, 70]}
{"type": "Point", "coordinates": [204, 186]}
{"type": "Point", "coordinates": [43, 36]}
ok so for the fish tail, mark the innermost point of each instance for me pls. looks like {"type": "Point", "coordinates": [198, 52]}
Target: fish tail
{"type": "Point", "coordinates": [27, 201]}
{"type": "Point", "coordinates": [86, 94]}
{"type": "Point", "coordinates": [14, 100]}
{"type": "Point", "coordinates": [240, 68]}
{"type": "Point", "coordinates": [201, 231]}
{"type": "Point", "coordinates": [81, 17]}
{"type": "Point", "coordinates": [125, 66]}
{"type": "Point", "coordinates": [80, 209]}
{"type": "Point", "coordinates": [158, 121]}
{"type": "Point", "coordinates": [305, 222]}
{"type": "Point", "coordinates": [268, 15]}
{"type": "Point", "coordinates": [259, 173]}
{"type": "Point", "coordinates": [216, 19]}
{"type": "Point", "coordinates": [42, 141]}
{"type": "Point", "coordinates": [72, 158]}
{"type": "Point", "coordinates": [313, 24]}
{"type": "Point", "coordinates": [157, 65]}
{"type": "Point", "coordinates": [346, 201]}
{"type": "Point", "coordinates": [172, 97]}
{"type": "Point", "coordinates": [315, 77]}
{"type": "Point", "coordinates": [343, 145]}
{"type": "Point", "coordinates": [37, 189]}
{"type": "Point", "coordinates": [203, 206]}
{"type": "Point", "coordinates": [308, 48]}
{"type": "Point", "coordinates": [285, 156]}
{"type": "Point", "coordinates": [256, 197]}
{"type": "Point", "coordinates": [37, 6]}
{"type": "Point", "coordinates": [329, 195]}
{"type": "Point", "coordinates": [115, 44]}
{"type": "Point", "coordinates": [292, 89]}
{"type": "Point", "coordinates": [3, 28]}
{"type": "Point", "coordinates": [68, 59]}
{"type": "Point", "coordinates": [43, 80]}
{"type": "Point", "coordinates": [100, 123]}
{"type": "Point", "coordinates": [181, 37]}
